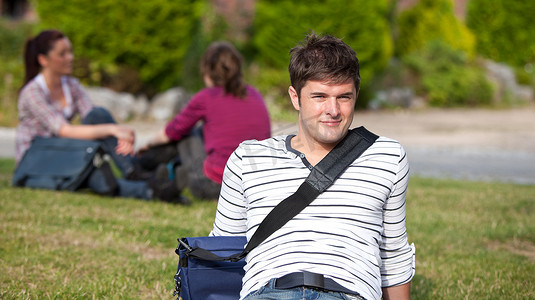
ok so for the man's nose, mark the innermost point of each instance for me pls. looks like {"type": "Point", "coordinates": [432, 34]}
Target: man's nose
{"type": "Point", "coordinates": [332, 107]}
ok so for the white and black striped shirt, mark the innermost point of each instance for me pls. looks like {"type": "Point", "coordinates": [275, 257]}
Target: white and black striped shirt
{"type": "Point", "coordinates": [354, 232]}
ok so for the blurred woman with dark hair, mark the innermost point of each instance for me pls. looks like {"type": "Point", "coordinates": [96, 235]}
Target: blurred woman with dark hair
{"type": "Point", "coordinates": [231, 112]}
{"type": "Point", "coordinates": [50, 99]}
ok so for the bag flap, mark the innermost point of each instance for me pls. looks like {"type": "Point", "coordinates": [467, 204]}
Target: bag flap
{"type": "Point", "coordinates": [57, 157]}
{"type": "Point", "coordinates": [217, 244]}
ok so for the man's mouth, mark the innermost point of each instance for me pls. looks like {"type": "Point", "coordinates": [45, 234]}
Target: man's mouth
{"type": "Point", "coordinates": [332, 122]}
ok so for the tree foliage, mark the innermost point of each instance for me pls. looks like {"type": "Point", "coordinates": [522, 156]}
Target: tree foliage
{"type": "Point", "coordinates": [448, 78]}
{"type": "Point", "coordinates": [504, 29]}
{"type": "Point", "coordinates": [147, 37]}
{"type": "Point", "coordinates": [362, 24]}
{"type": "Point", "coordinates": [432, 20]}
{"type": "Point", "coordinates": [12, 39]}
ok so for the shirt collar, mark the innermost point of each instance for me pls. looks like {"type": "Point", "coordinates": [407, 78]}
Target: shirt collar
{"type": "Point", "coordinates": [67, 110]}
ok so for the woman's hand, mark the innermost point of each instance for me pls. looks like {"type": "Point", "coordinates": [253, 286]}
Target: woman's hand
{"type": "Point", "coordinates": [124, 133]}
{"type": "Point", "coordinates": [126, 139]}
{"type": "Point", "coordinates": [124, 147]}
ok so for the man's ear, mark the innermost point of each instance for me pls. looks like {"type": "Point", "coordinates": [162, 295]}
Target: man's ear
{"type": "Point", "coordinates": [42, 60]}
{"type": "Point", "coordinates": [294, 97]}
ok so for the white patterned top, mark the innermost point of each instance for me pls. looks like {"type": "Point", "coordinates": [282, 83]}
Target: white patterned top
{"type": "Point", "coordinates": [354, 232]}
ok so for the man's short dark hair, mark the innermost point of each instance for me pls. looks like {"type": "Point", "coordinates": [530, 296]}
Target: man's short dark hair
{"type": "Point", "coordinates": [323, 58]}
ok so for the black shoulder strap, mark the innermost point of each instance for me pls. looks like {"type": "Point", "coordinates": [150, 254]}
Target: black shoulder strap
{"type": "Point", "coordinates": [319, 179]}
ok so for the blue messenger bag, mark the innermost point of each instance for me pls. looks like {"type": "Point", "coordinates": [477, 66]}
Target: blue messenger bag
{"type": "Point", "coordinates": [57, 163]}
{"type": "Point", "coordinates": [211, 268]}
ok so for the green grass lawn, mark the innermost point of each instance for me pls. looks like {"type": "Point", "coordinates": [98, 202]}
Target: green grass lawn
{"type": "Point", "coordinates": [473, 241]}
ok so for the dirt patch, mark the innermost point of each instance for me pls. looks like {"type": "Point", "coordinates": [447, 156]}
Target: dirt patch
{"type": "Point", "coordinates": [518, 247]}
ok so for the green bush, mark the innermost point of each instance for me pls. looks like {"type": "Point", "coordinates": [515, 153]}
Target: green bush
{"type": "Point", "coordinates": [505, 32]}
{"type": "Point", "coordinates": [278, 27]}
{"type": "Point", "coordinates": [448, 78]}
{"type": "Point", "coordinates": [431, 20]}
{"type": "Point", "coordinates": [13, 36]}
{"type": "Point", "coordinates": [504, 29]}
{"type": "Point", "coordinates": [122, 37]}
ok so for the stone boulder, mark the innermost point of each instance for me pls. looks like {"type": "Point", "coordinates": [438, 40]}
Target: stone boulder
{"type": "Point", "coordinates": [167, 104]}
{"type": "Point", "coordinates": [125, 106]}
{"type": "Point", "coordinates": [504, 80]}
{"type": "Point", "coordinates": [120, 105]}
{"type": "Point", "coordinates": [396, 97]}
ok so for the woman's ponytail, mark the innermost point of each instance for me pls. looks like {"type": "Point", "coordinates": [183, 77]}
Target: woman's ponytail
{"type": "Point", "coordinates": [31, 64]}
{"type": "Point", "coordinates": [41, 44]}
{"type": "Point", "coordinates": [223, 63]}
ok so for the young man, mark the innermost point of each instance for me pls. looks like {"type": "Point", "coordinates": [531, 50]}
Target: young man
{"type": "Point", "coordinates": [353, 236]}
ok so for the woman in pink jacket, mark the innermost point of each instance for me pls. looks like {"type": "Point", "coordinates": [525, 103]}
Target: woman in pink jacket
{"type": "Point", "coordinates": [230, 112]}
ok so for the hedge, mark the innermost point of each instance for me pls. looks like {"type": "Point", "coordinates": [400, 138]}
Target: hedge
{"type": "Point", "coordinates": [147, 37]}
{"type": "Point", "coordinates": [431, 20]}
{"type": "Point", "coordinates": [281, 25]}
{"type": "Point", "coordinates": [448, 78]}
{"type": "Point", "coordinates": [504, 29]}
{"type": "Point", "coordinates": [13, 36]}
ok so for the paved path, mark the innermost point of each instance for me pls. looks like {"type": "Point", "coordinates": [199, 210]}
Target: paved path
{"type": "Point", "coordinates": [7, 142]}
{"type": "Point", "coordinates": [497, 145]}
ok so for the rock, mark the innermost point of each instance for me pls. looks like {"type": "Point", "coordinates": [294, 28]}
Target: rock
{"type": "Point", "coordinates": [119, 104]}
{"type": "Point", "coordinates": [124, 106]}
{"type": "Point", "coordinates": [167, 104]}
{"type": "Point", "coordinates": [502, 73]}
{"type": "Point", "coordinates": [524, 93]}
{"type": "Point", "coordinates": [504, 79]}
{"type": "Point", "coordinates": [395, 96]}
{"type": "Point", "coordinates": [141, 107]}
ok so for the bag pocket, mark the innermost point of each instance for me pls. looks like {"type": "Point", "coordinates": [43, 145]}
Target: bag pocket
{"type": "Point", "coordinates": [210, 280]}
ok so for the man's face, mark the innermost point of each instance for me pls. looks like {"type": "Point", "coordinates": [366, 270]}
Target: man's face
{"type": "Point", "coordinates": [325, 111]}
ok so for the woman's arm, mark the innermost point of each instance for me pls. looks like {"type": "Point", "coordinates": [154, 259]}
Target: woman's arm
{"type": "Point", "coordinates": [125, 135]}
{"type": "Point", "coordinates": [159, 139]}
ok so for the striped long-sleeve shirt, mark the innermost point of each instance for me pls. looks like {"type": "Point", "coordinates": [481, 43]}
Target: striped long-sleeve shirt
{"type": "Point", "coordinates": [354, 232]}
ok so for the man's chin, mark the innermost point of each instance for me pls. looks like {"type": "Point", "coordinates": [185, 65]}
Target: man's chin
{"type": "Point", "coordinates": [333, 138]}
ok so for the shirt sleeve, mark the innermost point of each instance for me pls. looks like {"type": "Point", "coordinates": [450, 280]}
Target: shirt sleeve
{"type": "Point", "coordinates": [231, 216]}
{"type": "Point", "coordinates": [33, 101]}
{"type": "Point", "coordinates": [184, 121]}
{"type": "Point", "coordinates": [398, 257]}
{"type": "Point", "coordinates": [81, 100]}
